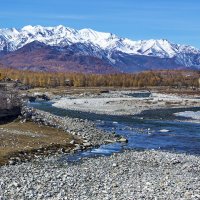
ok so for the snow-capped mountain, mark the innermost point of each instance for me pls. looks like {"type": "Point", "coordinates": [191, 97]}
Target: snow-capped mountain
{"type": "Point", "coordinates": [118, 52]}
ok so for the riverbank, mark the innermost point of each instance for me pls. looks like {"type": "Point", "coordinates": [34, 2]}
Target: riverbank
{"type": "Point", "coordinates": [130, 175]}
{"type": "Point", "coordinates": [40, 133]}
{"type": "Point", "coordinates": [84, 129]}
{"type": "Point", "coordinates": [22, 142]}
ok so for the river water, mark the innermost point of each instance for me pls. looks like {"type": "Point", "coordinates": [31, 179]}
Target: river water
{"type": "Point", "coordinates": [155, 129]}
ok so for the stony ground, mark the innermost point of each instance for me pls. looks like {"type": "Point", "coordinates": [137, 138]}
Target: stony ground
{"type": "Point", "coordinates": [47, 134]}
{"type": "Point", "coordinates": [84, 129]}
{"type": "Point", "coordinates": [121, 102]}
{"type": "Point", "coordinates": [130, 175]}
{"type": "Point", "coordinates": [126, 176]}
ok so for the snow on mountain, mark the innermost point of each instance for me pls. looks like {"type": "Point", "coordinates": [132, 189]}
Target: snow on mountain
{"type": "Point", "coordinates": [100, 42]}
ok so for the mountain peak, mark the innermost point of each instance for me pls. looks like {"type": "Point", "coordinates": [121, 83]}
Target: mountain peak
{"type": "Point", "coordinates": [27, 28]}
{"type": "Point", "coordinates": [102, 43]}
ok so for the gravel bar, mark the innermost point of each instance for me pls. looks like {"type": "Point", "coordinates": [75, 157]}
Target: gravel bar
{"type": "Point", "coordinates": [84, 129]}
{"type": "Point", "coordinates": [123, 176]}
{"type": "Point", "coordinates": [126, 176]}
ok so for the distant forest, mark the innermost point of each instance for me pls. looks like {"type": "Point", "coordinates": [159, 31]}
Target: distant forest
{"type": "Point", "coordinates": [173, 78]}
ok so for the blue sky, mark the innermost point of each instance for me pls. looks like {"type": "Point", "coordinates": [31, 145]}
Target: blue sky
{"type": "Point", "coordinates": [175, 20]}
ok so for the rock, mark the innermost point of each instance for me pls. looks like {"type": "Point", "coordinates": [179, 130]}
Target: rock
{"type": "Point", "coordinates": [110, 141]}
{"type": "Point", "coordinates": [23, 121]}
{"type": "Point", "coordinates": [138, 174]}
{"type": "Point", "coordinates": [72, 142]}
{"type": "Point", "coordinates": [87, 144]}
{"type": "Point", "coordinates": [114, 164]}
{"type": "Point", "coordinates": [122, 140]}
{"type": "Point", "coordinates": [15, 184]}
{"type": "Point", "coordinates": [11, 162]}
{"type": "Point", "coordinates": [78, 147]}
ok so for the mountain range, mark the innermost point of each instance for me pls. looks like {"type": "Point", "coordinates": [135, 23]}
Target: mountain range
{"type": "Point", "coordinates": [63, 49]}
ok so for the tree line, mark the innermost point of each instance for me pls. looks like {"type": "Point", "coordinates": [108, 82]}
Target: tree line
{"type": "Point", "coordinates": [174, 78]}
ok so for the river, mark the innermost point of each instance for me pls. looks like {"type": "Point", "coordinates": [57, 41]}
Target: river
{"type": "Point", "coordinates": [161, 131]}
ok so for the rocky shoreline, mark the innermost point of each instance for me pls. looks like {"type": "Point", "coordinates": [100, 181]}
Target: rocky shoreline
{"type": "Point", "coordinates": [129, 175]}
{"type": "Point", "coordinates": [85, 132]}
{"type": "Point", "coordinates": [84, 129]}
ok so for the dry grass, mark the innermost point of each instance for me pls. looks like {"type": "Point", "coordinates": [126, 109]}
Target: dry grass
{"type": "Point", "coordinates": [78, 90]}
{"type": "Point", "coordinates": [94, 90]}
{"type": "Point", "coordinates": [67, 90]}
{"type": "Point", "coordinates": [18, 137]}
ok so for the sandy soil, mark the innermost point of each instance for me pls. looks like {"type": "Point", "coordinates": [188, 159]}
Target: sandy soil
{"type": "Point", "coordinates": [16, 137]}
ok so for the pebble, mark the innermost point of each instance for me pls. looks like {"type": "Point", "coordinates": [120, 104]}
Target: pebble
{"type": "Point", "coordinates": [77, 127]}
{"type": "Point", "coordinates": [122, 140]}
{"type": "Point", "coordinates": [125, 176]}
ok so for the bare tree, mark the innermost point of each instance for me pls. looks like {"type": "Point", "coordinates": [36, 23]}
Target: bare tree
{"type": "Point", "coordinates": [9, 97]}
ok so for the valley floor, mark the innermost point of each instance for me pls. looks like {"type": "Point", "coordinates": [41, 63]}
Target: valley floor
{"type": "Point", "coordinates": [128, 175]}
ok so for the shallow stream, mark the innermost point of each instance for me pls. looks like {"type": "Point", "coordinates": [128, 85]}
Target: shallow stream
{"type": "Point", "coordinates": [154, 129]}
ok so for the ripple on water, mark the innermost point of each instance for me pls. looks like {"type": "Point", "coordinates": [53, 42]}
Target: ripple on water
{"type": "Point", "coordinates": [145, 131]}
